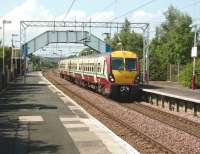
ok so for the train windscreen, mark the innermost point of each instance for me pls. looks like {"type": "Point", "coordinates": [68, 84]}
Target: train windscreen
{"type": "Point", "coordinates": [128, 64]}
{"type": "Point", "coordinates": [117, 64]}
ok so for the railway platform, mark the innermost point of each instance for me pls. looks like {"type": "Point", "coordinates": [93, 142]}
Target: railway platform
{"type": "Point", "coordinates": [173, 93]}
{"type": "Point", "coordinates": [173, 89]}
{"type": "Point", "coordinates": [36, 117]}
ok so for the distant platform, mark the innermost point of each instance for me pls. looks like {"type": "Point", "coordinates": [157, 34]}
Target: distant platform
{"type": "Point", "coordinates": [172, 89]}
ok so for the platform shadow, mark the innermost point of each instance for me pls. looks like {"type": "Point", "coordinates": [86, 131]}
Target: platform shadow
{"type": "Point", "coordinates": [10, 104]}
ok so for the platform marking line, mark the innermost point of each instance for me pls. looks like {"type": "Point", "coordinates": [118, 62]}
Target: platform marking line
{"type": "Point", "coordinates": [66, 119]}
{"type": "Point", "coordinates": [42, 82]}
{"type": "Point", "coordinates": [74, 126]}
{"type": "Point", "coordinates": [74, 108]}
{"type": "Point", "coordinates": [66, 101]}
{"type": "Point", "coordinates": [30, 119]}
{"type": "Point", "coordinates": [127, 148]}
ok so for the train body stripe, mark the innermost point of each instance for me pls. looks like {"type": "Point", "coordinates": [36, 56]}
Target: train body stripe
{"type": "Point", "coordinates": [97, 69]}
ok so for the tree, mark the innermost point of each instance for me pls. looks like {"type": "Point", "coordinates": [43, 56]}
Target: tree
{"type": "Point", "coordinates": [127, 40]}
{"type": "Point", "coordinates": [186, 74]}
{"type": "Point", "coordinates": [87, 51]}
{"type": "Point", "coordinates": [40, 62]}
{"type": "Point", "coordinates": [7, 56]}
{"type": "Point", "coordinates": [35, 60]}
{"type": "Point", "coordinates": [172, 43]}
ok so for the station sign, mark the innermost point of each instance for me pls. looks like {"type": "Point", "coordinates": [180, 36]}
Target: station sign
{"type": "Point", "coordinates": [194, 52]}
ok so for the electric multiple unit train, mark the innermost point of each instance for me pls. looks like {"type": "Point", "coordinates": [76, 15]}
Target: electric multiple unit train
{"type": "Point", "coordinates": [115, 73]}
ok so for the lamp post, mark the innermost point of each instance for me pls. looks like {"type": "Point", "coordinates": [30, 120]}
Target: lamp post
{"type": "Point", "coordinates": [13, 49]}
{"type": "Point", "coordinates": [194, 55]}
{"type": "Point", "coordinates": [3, 42]}
{"type": "Point", "coordinates": [60, 54]}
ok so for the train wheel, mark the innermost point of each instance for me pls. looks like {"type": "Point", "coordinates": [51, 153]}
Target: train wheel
{"type": "Point", "coordinates": [99, 88]}
{"type": "Point", "coordinates": [103, 92]}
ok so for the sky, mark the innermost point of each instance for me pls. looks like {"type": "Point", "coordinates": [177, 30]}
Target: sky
{"type": "Point", "coordinates": [97, 10]}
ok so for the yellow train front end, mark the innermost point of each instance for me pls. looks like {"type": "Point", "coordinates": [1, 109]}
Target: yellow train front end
{"type": "Point", "coordinates": [125, 72]}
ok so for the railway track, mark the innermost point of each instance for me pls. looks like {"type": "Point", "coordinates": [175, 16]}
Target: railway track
{"type": "Point", "coordinates": [145, 144]}
{"type": "Point", "coordinates": [180, 123]}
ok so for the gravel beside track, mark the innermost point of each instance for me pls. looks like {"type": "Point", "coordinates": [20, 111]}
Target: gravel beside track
{"type": "Point", "coordinates": [124, 121]}
{"type": "Point", "coordinates": [178, 122]}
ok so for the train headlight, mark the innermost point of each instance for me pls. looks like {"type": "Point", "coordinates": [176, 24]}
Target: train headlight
{"type": "Point", "coordinates": [111, 78]}
{"type": "Point", "coordinates": [137, 79]}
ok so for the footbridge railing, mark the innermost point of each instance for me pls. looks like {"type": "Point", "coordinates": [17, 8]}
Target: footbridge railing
{"type": "Point", "coordinates": [80, 37]}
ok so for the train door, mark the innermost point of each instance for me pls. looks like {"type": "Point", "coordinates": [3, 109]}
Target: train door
{"type": "Point", "coordinates": [104, 67]}
{"type": "Point", "coordinates": [95, 69]}
{"type": "Point", "coordinates": [82, 69]}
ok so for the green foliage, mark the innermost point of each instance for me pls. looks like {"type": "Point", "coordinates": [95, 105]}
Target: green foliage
{"type": "Point", "coordinates": [87, 51]}
{"type": "Point", "coordinates": [172, 43]}
{"type": "Point", "coordinates": [129, 40]}
{"type": "Point", "coordinates": [72, 56]}
{"type": "Point", "coordinates": [48, 63]}
{"type": "Point", "coordinates": [186, 74]}
{"type": "Point", "coordinates": [38, 63]}
{"type": "Point", "coordinates": [7, 56]}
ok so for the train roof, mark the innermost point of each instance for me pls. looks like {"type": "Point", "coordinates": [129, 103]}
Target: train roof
{"type": "Point", "coordinates": [92, 55]}
{"type": "Point", "coordinates": [99, 55]}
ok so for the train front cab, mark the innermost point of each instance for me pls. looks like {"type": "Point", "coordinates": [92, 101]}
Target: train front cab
{"type": "Point", "coordinates": [124, 73]}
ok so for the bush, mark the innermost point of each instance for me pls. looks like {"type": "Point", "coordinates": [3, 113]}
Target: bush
{"type": "Point", "coordinates": [186, 75]}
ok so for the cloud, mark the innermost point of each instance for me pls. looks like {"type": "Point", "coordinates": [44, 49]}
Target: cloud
{"type": "Point", "coordinates": [29, 10]}
{"type": "Point", "coordinates": [102, 16]}
{"type": "Point", "coordinates": [34, 10]}
{"type": "Point", "coordinates": [155, 19]}
{"type": "Point", "coordinates": [142, 16]}
{"type": "Point", "coordinates": [73, 15]}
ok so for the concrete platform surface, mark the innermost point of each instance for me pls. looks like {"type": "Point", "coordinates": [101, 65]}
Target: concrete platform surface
{"type": "Point", "coordinates": [37, 118]}
{"type": "Point", "coordinates": [172, 89]}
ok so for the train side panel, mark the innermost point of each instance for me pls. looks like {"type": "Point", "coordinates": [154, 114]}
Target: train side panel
{"type": "Point", "coordinates": [97, 72]}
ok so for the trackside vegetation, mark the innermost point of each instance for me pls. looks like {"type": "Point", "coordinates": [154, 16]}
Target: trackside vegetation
{"type": "Point", "coordinates": [171, 44]}
{"type": "Point", "coordinates": [185, 75]}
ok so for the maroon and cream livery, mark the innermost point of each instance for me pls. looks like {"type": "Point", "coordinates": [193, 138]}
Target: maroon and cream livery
{"type": "Point", "coordinates": [110, 73]}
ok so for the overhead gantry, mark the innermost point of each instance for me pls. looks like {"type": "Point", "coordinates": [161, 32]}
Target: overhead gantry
{"type": "Point", "coordinates": [83, 32]}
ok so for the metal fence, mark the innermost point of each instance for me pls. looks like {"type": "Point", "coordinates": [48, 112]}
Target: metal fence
{"type": "Point", "coordinates": [173, 72]}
